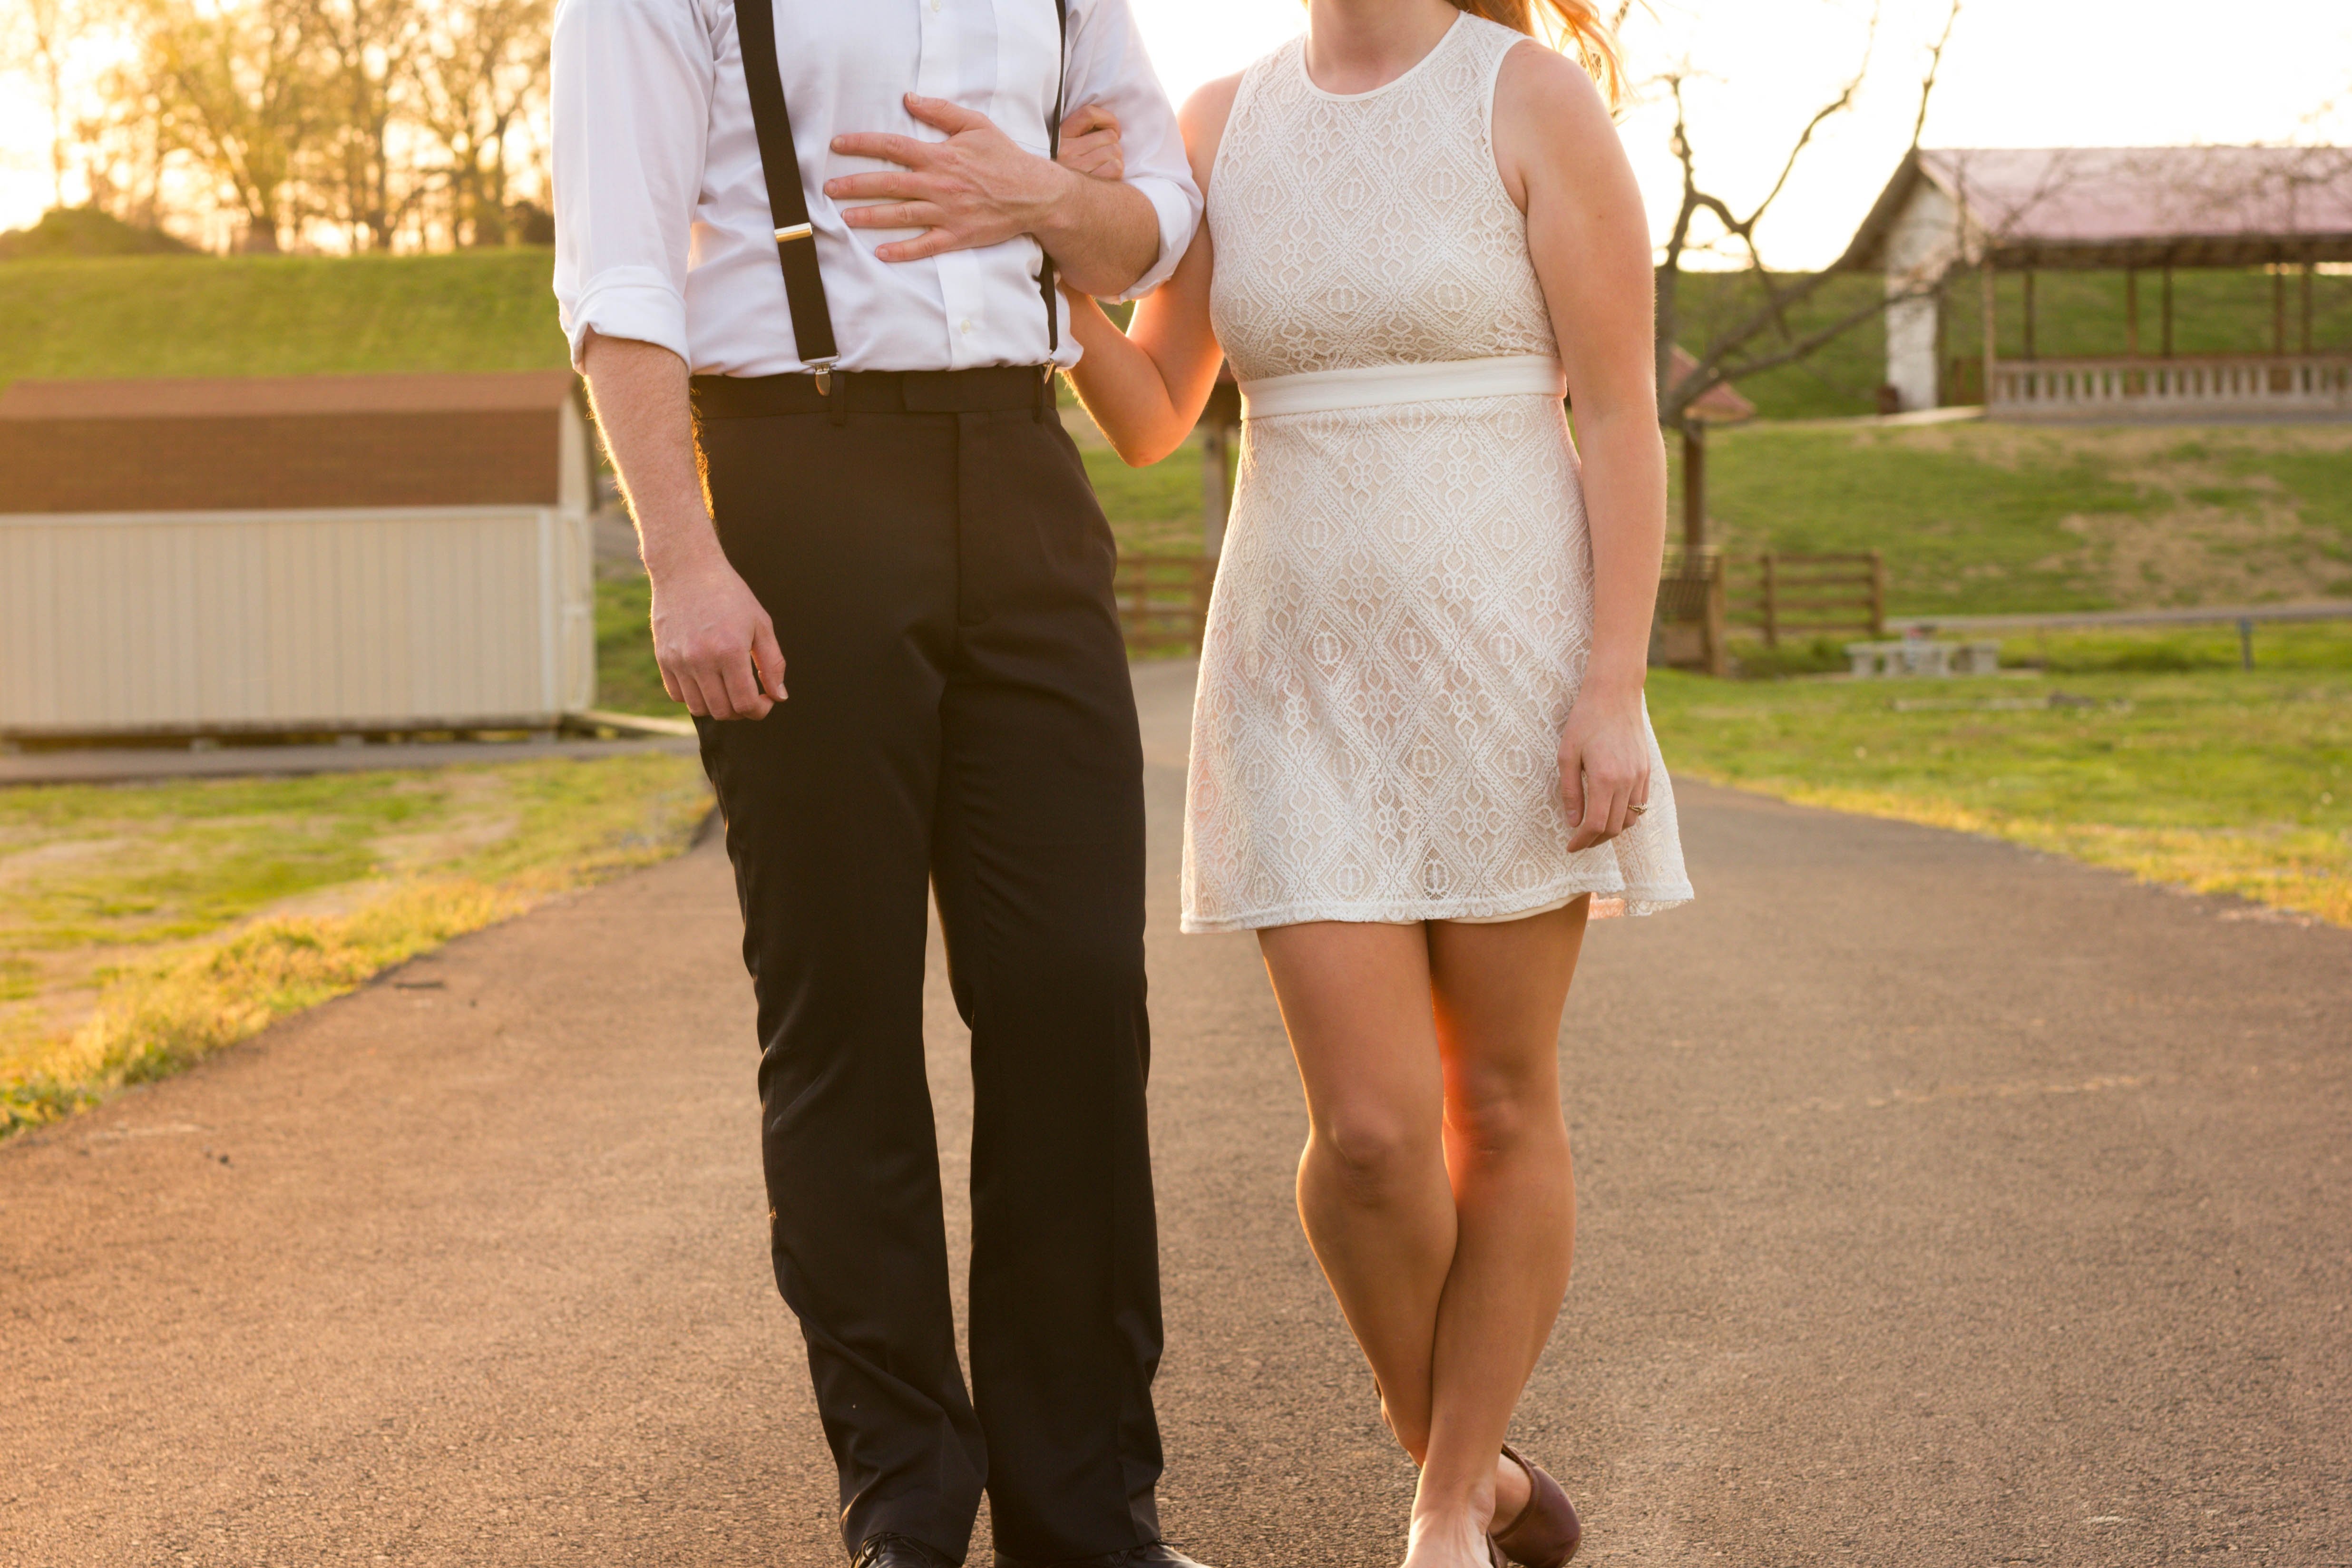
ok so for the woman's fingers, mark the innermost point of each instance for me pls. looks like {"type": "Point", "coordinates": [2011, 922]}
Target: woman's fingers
{"type": "Point", "coordinates": [1087, 118]}
{"type": "Point", "coordinates": [1090, 142]}
{"type": "Point", "coordinates": [1572, 790]}
{"type": "Point", "coordinates": [1602, 805]}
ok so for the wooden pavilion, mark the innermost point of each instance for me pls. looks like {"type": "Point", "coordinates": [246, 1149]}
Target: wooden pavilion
{"type": "Point", "coordinates": [2137, 210]}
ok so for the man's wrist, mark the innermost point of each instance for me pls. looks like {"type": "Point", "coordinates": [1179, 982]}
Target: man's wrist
{"type": "Point", "coordinates": [680, 549]}
{"type": "Point", "coordinates": [1064, 212]}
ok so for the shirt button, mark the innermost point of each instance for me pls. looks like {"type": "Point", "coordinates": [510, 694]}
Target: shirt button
{"type": "Point", "coordinates": [964, 326]}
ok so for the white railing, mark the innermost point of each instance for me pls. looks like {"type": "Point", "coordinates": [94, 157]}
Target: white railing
{"type": "Point", "coordinates": [2253, 383]}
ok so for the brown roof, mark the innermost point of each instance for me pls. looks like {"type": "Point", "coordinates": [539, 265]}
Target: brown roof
{"type": "Point", "coordinates": [285, 443]}
{"type": "Point", "coordinates": [2132, 207]}
{"type": "Point", "coordinates": [235, 397]}
{"type": "Point", "coordinates": [1721, 404]}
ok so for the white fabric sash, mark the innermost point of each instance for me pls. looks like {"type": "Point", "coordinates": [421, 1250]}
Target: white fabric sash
{"type": "Point", "coordinates": [1318, 391]}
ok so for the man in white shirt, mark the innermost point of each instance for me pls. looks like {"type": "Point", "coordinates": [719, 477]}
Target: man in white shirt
{"type": "Point", "coordinates": [882, 586]}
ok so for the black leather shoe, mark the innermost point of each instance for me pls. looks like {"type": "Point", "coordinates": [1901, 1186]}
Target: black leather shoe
{"type": "Point", "coordinates": [888, 1550]}
{"type": "Point", "coordinates": [1158, 1554]}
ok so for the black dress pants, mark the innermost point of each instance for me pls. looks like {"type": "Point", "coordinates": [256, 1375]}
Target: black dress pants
{"type": "Point", "coordinates": [959, 722]}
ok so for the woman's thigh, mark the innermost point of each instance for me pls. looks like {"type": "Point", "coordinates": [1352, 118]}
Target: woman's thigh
{"type": "Point", "coordinates": [1497, 993]}
{"type": "Point", "coordinates": [1355, 999]}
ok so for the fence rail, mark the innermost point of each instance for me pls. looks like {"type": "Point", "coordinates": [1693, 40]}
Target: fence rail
{"type": "Point", "coordinates": [2285, 383]}
{"type": "Point", "coordinates": [1807, 595]}
{"type": "Point", "coordinates": [1163, 600]}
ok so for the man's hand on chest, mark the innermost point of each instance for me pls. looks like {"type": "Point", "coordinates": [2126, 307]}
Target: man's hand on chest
{"type": "Point", "coordinates": [977, 188]}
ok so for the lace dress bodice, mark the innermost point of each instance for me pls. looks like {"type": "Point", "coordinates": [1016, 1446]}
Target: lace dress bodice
{"type": "Point", "coordinates": [1371, 228]}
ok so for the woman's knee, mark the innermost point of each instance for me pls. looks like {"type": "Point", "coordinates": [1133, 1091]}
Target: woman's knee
{"type": "Point", "coordinates": [1502, 1119]}
{"type": "Point", "coordinates": [1374, 1154]}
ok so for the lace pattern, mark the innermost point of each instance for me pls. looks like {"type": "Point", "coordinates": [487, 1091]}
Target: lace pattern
{"type": "Point", "coordinates": [1403, 612]}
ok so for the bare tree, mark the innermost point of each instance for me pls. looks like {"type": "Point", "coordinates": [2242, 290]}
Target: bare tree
{"type": "Point", "coordinates": [366, 51]}
{"type": "Point", "coordinates": [238, 92]}
{"type": "Point", "coordinates": [40, 35]}
{"type": "Point", "coordinates": [480, 69]}
{"type": "Point", "coordinates": [1763, 337]}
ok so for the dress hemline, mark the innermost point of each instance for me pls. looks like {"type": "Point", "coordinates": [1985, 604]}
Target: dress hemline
{"type": "Point", "coordinates": [1634, 903]}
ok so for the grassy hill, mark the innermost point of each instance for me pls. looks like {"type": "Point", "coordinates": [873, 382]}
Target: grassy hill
{"type": "Point", "coordinates": [2076, 313]}
{"type": "Point", "coordinates": [1985, 518]}
{"type": "Point", "coordinates": [258, 316]}
{"type": "Point", "coordinates": [1973, 517]}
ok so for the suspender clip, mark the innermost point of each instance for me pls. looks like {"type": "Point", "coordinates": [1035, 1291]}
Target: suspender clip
{"type": "Point", "coordinates": [823, 369]}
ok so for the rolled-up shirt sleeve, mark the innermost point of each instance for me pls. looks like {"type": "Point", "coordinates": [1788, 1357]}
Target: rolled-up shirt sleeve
{"type": "Point", "coordinates": [1108, 66]}
{"type": "Point", "coordinates": [631, 83]}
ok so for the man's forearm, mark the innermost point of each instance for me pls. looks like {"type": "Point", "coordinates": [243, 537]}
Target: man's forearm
{"type": "Point", "coordinates": [639, 390]}
{"type": "Point", "coordinates": [1102, 233]}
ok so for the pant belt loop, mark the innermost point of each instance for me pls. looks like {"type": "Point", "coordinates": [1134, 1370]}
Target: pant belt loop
{"type": "Point", "coordinates": [836, 401]}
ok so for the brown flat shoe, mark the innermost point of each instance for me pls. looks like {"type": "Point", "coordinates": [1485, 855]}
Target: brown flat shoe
{"type": "Point", "coordinates": [1546, 1532]}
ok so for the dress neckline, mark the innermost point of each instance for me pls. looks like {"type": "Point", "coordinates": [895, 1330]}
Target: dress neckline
{"type": "Point", "coordinates": [1398, 80]}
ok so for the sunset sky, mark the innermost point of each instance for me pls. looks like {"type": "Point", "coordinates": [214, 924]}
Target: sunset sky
{"type": "Point", "coordinates": [2021, 73]}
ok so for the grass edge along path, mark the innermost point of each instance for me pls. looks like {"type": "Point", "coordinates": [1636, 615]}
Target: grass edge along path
{"type": "Point", "coordinates": [2285, 870]}
{"type": "Point", "coordinates": [2144, 751]}
{"type": "Point", "coordinates": [158, 1020]}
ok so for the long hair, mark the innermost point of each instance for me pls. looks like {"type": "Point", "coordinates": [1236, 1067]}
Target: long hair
{"type": "Point", "coordinates": [1575, 24]}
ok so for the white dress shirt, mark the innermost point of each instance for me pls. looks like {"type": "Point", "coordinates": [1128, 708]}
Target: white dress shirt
{"type": "Point", "coordinates": [662, 227]}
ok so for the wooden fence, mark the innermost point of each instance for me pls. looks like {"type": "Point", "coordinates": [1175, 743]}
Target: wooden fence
{"type": "Point", "coordinates": [1163, 600]}
{"type": "Point", "coordinates": [1688, 631]}
{"type": "Point", "coordinates": [1808, 595]}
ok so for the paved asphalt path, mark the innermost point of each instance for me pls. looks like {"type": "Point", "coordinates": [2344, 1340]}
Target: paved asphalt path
{"type": "Point", "coordinates": [1941, 1205]}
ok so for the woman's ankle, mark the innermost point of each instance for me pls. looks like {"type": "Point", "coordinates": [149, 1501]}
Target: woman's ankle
{"type": "Point", "coordinates": [1513, 1490]}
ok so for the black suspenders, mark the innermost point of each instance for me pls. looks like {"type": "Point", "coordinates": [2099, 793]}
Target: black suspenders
{"type": "Point", "coordinates": [755, 29]}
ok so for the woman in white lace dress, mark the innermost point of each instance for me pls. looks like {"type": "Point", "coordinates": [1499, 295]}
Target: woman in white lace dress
{"type": "Point", "coordinates": [1420, 752]}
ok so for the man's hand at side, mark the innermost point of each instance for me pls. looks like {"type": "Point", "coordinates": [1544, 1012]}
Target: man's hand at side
{"type": "Point", "coordinates": [715, 645]}
{"type": "Point", "coordinates": [980, 188]}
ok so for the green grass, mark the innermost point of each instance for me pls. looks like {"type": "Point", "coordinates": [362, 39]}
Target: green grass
{"type": "Point", "coordinates": [493, 310]}
{"type": "Point", "coordinates": [143, 925]}
{"type": "Point", "coordinates": [1996, 518]}
{"type": "Point", "coordinates": [627, 678]}
{"type": "Point", "coordinates": [258, 315]}
{"type": "Point", "coordinates": [2154, 755]}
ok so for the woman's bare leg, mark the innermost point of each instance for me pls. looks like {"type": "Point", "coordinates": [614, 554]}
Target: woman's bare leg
{"type": "Point", "coordinates": [1500, 991]}
{"type": "Point", "coordinates": [1434, 1187]}
{"type": "Point", "coordinates": [1373, 1193]}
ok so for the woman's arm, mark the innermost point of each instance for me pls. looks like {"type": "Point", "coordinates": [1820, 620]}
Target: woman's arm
{"type": "Point", "coordinates": [1146, 388]}
{"type": "Point", "coordinates": [1560, 160]}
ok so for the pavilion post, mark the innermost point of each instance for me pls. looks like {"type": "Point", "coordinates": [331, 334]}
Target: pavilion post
{"type": "Point", "coordinates": [2131, 312]}
{"type": "Point", "coordinates": [2167, 309]}
{"type": "Point", "coordinates": [2309, 268]}
{"type": "Point", "coordinates": [2029, 314]}
{"type": "Point", "coordinates": [2278, 308]}
{"type": "Point", "coordinates": [1945, 393]}
{"type": "Point", "coordinates": [1990, 322]}
{"type": "Point", "coordinates": [1693, 493]}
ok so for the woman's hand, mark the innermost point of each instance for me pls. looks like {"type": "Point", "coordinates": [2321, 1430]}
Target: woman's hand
{"type": "Point", "coordinates": [1090, 143]}
{"type": "Point", "coordinates": [1604, 764]}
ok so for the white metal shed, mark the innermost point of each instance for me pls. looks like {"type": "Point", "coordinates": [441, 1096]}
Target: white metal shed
{"type": "Point", "coordinates": [330, 553]}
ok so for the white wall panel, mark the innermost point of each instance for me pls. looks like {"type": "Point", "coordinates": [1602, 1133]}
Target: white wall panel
{"type": "Point", "coordinates": [188, 622]}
